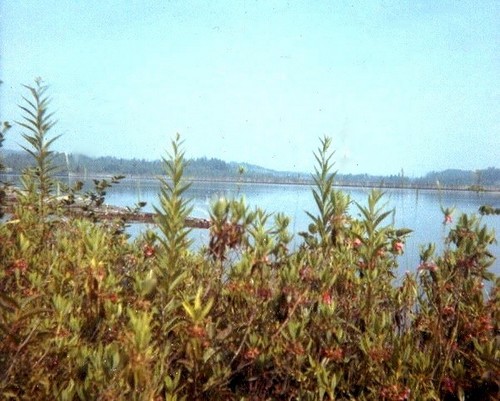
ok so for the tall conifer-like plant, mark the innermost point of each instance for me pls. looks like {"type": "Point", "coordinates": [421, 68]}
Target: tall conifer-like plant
{"type": "Point", "coordinates": [3, 130]}
{"type": "Point", "coordinates": [38, 122]}
{"type": "Point", "coordinates": [326, 228]}
{"type": "Point", "coordinates": [174, 209]}
{"type": "Point", "coordinates": [5, 127]}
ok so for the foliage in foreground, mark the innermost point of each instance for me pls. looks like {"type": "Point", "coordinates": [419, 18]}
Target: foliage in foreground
{"type": "Point", "coordinates": [87, 315]}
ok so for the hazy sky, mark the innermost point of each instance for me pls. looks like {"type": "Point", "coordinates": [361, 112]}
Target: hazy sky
{"type": "Point", "coordinates": [410, 85]}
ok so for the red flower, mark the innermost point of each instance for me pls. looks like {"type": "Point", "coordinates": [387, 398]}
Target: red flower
{"type": "Point", "coordinates": [356, 243]}
{"type": "Point", "coordinates": [398, 246]}
{"type": "Point", "coordinates": [430, 266]}
{"type": "Point", "coordinates": [306, 273]}
{"type": "Point", "coordinates": [448, 311]}
{"type": "Point", "coordinates": [252, 353]}
{"type": "Point", "coordinates": [20, 265]}
{"type": "Point", "coordinates": [379, 354]}
{"type": "Point", "coordinates": [447, 219]}
{"type": "Point", "coordinates": [448, 384]}
{"type": "Point", "coordinates": [113, 297]}
{"type": "Point", "coordinates": [296, 348]}
{"type": "Point", "coordinates": [395, 393]}
{"type": "Point", "coordinates": [334, 354]}
{"type": "Point", "coordinates": [148, 250]}
{"type": "Point", "coordinates": [197, 331]}
{"type": "Point", "coordinates": [326, 298]}
{"type": "Point", "coordinates": [264, 293]}
{"type": "Point", "coordinates": [485, 323]}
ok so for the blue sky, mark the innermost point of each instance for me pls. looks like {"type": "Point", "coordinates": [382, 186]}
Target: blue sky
{"type": "Point", "coordinates": [410, 85]}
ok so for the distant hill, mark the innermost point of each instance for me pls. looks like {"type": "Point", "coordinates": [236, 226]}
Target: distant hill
{"type": "Point", "coordinates": [215, 169]}
{"type": "Point", "coordinates": [200, 168]}
{"type": "Point", "coordinates": [480, 179]}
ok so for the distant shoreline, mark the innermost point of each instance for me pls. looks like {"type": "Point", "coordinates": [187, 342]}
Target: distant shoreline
{"type": "Point", "coordinates": [350, 185]}
{"type": "Point", "coordinates": [243, 181]}
{"type": "Point", "coordinates": [213, 170]}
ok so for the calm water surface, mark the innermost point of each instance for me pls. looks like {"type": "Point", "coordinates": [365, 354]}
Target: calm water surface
{"type": "Point", "coordinates": [418, 210]}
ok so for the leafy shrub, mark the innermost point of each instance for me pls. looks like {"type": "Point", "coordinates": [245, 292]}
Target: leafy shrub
{"type": "Point", "coordinates": [87, 315]}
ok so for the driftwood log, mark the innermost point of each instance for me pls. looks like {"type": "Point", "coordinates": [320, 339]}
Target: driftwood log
{"type": "Point", "coordinates": [114, 212]}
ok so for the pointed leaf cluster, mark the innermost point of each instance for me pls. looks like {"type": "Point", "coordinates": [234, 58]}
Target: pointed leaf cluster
{"type": "Point", "coordinates": [174, 209]}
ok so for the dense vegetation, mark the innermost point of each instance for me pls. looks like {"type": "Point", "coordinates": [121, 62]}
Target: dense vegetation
{"type": "Point", "coordinates": [216, 169]}
{"type": "Point", "coordinates": [86, 314]}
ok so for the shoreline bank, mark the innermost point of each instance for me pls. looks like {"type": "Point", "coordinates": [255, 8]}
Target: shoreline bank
{"type": "Point", "coordinates": [230, 180]}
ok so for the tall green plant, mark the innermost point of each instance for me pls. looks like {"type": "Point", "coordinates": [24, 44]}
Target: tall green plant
{"type": "Point", "coordinates": [3, 130]}
{"type": "Point", "coordinates": [328, 227]}
{"type": "Point", "coordinates": [38, 122]}
{"type": "Point", "coordinates": [174, 208]}
{"type": "Point", "coordinates": [5, 127]}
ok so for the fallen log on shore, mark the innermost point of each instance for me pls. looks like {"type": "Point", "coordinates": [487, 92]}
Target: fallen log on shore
{"type": "Point", "coordinates": [113, 212]}
{"type": "Point", "coordinates": [80, 208]}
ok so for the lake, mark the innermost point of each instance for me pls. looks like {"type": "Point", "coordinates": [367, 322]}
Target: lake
{"type": "Point", "coordinates": [418, 210]}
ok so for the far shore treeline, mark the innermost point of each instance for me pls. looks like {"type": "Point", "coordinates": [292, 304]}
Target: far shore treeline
{"type": "Point", "coordinates": [203, 168]}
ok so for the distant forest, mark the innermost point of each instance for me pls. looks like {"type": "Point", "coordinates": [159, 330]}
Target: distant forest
{"type": "Point", "coordinates": [216, 169]}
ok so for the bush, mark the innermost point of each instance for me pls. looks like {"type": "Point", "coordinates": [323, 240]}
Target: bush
{"type": "Point", "coordinates": [87, 315]}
